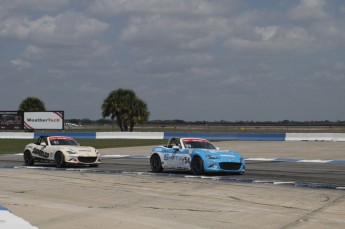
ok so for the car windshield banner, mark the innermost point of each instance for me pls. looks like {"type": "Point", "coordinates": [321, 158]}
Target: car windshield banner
{"type": "Point", "coordinates": [11, 120]}
{"type": "Point", "coordinates": [45, 120]}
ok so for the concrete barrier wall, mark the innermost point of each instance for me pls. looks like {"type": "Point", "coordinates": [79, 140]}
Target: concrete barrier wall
{"type": "Point", "coordinates": [16, 135]}
{"type": "Point", "coordinates": [210, 136]}
{"type": "Point", "coordinates": [339, 137]}
{"type": "Point", "coordinates": [315, 137]}
{"type": "Point", "coordinates": [229, 136]}
{"type": "Point", "coordinates": [80, 135]}
{"type": "Point", "coordinates": [129, 135]}
{"type": "Point", "coordinates": [261, 137]}
{"type": "Point", "coordinates": [166, 135]}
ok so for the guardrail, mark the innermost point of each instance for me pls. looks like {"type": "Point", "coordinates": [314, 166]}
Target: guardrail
{"type": "Point", "coordinates": [166, 135]}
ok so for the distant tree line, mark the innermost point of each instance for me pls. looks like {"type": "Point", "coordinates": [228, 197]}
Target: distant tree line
{"type": "Point", "coordinates": [221, 122]}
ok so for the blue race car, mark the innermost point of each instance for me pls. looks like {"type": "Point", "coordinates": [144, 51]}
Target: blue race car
{"type": "Point", "coordinates": [196, 155]}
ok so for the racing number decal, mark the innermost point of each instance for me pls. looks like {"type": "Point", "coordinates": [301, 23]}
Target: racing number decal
{"type": "Point", "coordinates": [186, 160]}
{"type": "Point", "coordinates": [40, 153]}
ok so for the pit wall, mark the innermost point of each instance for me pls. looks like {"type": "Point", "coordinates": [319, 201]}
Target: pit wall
{"type": "Point", "coordinates": [166, 135]}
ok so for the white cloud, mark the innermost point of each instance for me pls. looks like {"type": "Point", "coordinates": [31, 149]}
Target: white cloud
{"type": "Point", "coordinates": [248, 56]}
{"type": "Point", "coordinates": [233, 80]}
{"type": "Point", "coordinates": [186, 7]}
{"type": "Point", "coordinates": [176, 33]}
{"type": "Point", "coordinates": [12, 7]}
{"type": "Point", "coordinates": [33, 52]}
{"type": "Point", "coordinates": [14, 28]}
{"type": "Point", "coordinates": [266, 32]}
{"type": "Point", "coordinates": [274, 38]}
{"type": "Point", "coordinates": [33, 4]}
{"type": "Point", "coordinates": [65, 28]}
{"type": "Point", "coordinates": [308, 10]}
{"type": "Point", "coordinates": [173, 64]}
{"type": "Point", "coordinates": [21, 64]}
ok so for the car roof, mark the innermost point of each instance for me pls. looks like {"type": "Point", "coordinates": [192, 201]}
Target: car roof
{"type": "Point", "coordinates": [57, 137]}
{"type": "Point", "coordinates": [194, 139]}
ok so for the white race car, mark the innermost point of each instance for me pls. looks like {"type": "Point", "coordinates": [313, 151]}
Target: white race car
{"type": "Point", "coordinates": [60, 150]}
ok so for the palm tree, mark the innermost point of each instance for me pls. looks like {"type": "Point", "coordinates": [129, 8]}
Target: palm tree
{"type": "Point", "coordinates": [124, 106]}
{"type": "Point", "coordinates": [140, 113]}
{"type": "Point", "coordinates": [32, 104]}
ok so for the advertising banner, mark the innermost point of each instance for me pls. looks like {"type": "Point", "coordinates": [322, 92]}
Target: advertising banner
{"type": "Point", "coordinates": [45, 120]}
{"type": "Point", "coordinates": [11, 120]}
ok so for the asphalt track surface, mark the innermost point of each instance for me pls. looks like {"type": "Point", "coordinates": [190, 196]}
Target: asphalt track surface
{"type": "Point", "coordinates": [123, 193]}
{"type": "Point", "coordinates": [312, 174]}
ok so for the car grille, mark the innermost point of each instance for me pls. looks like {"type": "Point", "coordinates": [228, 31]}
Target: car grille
{"type": "Point", "coordinates": [230, 165]}
{"type": "Point", "coordinates": [87, 159]}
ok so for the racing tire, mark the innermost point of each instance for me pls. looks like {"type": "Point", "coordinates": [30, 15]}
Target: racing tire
{"type": "Point", "coordinates": [197, 166]}
{"type": "Point", "coordinates": [156, 164]}
{"type": "Point", "coordinates": [28, 158]}
{"type": "Point", "coordinates": [60, 160]}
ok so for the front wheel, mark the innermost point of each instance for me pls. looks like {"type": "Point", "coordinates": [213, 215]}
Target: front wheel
{"type": "Point", "coordinates": [28, 158]}
{"type": "Point", "coordinates": [60, 160]}
{"type": "Point", "coordinates": [197, 166]}
{"type": "Point", "coordinates": [156, 164]}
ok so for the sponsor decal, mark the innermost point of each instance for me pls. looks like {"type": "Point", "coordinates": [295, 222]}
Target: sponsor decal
{"type": "Point", "coordinates": [43, 120]}
{"type": "Point", "coordinates": [183, 159]}
{"type": "Point", "coordinates": [194, 140]}
{"type": "Point", "coordinates": [60, 138]}
{"type": "Point", "coordinates": [40, 153]}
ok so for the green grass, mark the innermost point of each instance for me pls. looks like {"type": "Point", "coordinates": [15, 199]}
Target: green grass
{"type": "Point", "coordinates": [18, 145]}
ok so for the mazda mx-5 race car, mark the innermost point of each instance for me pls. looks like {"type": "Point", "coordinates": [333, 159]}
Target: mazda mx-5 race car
{"type": "Point", "coordinates": [61, 151]}
{"type": "Point", "coordinates": [196, 155]}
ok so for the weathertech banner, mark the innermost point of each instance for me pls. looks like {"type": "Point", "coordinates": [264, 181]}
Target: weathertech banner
{"type": "Point", "coordinates": [45, 120]}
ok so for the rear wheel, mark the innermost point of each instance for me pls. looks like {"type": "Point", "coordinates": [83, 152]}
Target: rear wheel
{"type": "Point", "coordinates": [197, 166]}
{"type": "Point", "coordinates": [28, 158]}
{"type": "Point", "coordinates": [156, 164]}
{"type": "Point", "coordinates": [60, 160]}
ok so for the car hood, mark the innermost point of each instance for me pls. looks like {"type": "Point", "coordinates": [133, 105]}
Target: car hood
{"type": "Point", "coordinates": [81, 150]}
{"type": "Point", "coordinates": [218, 153]}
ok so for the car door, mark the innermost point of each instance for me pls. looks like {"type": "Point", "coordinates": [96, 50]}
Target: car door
{"type": "Point", "coordinates": [176, 158]}
{"type": "Point", "coordinates": [40, 149]}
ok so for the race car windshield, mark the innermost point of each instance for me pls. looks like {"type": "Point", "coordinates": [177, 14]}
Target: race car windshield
{"type": "Point", "coordinates": [199, 145]}
{"type": "Point", "coordinates": [63, 142]}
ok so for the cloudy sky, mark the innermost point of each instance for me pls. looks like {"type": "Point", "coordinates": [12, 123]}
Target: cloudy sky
{"type": "Point", "coordinates": [231, 60]}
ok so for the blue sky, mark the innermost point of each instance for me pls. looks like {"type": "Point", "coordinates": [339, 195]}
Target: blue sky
{"type": "Point", "coordinates": [188, 59]}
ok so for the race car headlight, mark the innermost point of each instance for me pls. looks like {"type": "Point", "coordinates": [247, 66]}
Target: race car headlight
{"type": "Point", "coordinates": [212, 157]}
{"type": "Point", "coordinates": [71, 152]}
{"type": "Point", "coordinates": [241, 159]}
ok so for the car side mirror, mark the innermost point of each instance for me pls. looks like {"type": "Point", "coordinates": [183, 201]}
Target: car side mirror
{"type": "Point", "coordinates": [43, 144]}
{"type": "Point", "coordinates": [176, 148]}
